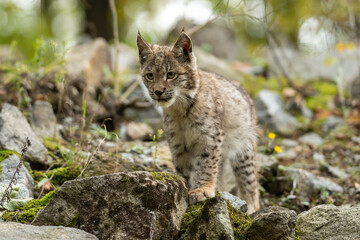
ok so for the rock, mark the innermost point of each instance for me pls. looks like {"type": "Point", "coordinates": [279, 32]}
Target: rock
{"type": "Point", "coordinates": [138, 131]}
{"type": "Point", "coordinates": [212, 223]}
{"type": "Point", "coordinates": [272, 223]}
{"type": "Point", "coordinates": [128, 58]}
{"type": "Point", "coordinates": [136, 205]}
{"type": "Point", "coordinates": [236, 202]}
{"type": "Point", "coordinates": [329, 222]}
{"type": "Point", "coordinates": [311, 139]}
{"type": "Point", "coordinates": [289, 143]}
{"type": "Point", "coordinates": [24, 180]}
{"type": "Point", "coordinates": [13, 132]}
{"type": "Point", "coordinates": [342, 65]}
{"type": "Point", "coordinates": [287, 154]}
{"type": "Point", "coordinates": [18, 231]}
{"type": "Point", "coordinates": [267, 166]}
{"type": "Point", "coordinates": [104, 163]}
{"type": "Point", "coordinates": [333, 171]}
{"type": "Point", "coordinates": [331, 123]}
{"type": "Point", "coordinates": [272, 115]}
{"type": "Point", "coordinates": [210, 63]}
{"type": "Point", "coordinates": [43, 120]}
{"type": "Point", "coordinates": [307, 182]}
{"type": "Point", "coordinates": [85, 64]}
{"type": "Point", "coordinates": [210, 37]}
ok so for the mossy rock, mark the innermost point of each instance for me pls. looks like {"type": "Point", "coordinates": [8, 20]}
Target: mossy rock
{"type": "Point", "coordinates": [238, 219]}
{"type": "Point", "coordinates": [28, 212]}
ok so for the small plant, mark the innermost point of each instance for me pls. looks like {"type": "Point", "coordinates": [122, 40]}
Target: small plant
{"type": "Point", "coordinates": [271, 146]}
{"type": "Point", "coordinates": [155, 140]}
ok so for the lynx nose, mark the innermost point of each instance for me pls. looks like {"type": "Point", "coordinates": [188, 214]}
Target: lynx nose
{"type": "Point", "coordinates": [158, 93]}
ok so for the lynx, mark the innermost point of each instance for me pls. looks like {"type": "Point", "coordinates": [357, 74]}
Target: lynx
{"type": "Point", "coordinates": [208, 120]}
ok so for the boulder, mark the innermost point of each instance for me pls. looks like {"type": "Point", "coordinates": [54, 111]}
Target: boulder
{"type": "Point", "coordinates": [212, 223]}
{"type": "Point", "coordinates": [104, 163]}
{"type": "Point", "coordinates": [267, 166]}
{"type": "Point", "coordinates": [272, 223]}
{"type": "Point", "coordinates": [85, 64]}
{"type": "Point", "coordinates": [14, 129]}
{"type": "Point", "coordinates": [138, 131]}
{"type": "Point", "coordinates": [136, 205]}
{"type": "Point", "coordinates": [308, 183]}
{"type": "Point", "coordinates": [43, 120]}
{"type": "Point", "coordinates": [329, 222]}
{"type": "Point", "coordinates": [335, 66]}
{"type": "Point", "coordinates": [271, 113]}
{"type": "Point", "coordinates": [311, 139]}
{"type": "Point", "coordinates": [24, 180]}
{"type": "Point", "coordinates": [18, 231]}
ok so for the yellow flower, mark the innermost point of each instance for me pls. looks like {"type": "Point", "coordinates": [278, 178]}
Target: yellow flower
{"type": "Point", "coordinates": [271, 135]}
{"type": "Point", "coordinates": [277, 149]}
{"type": "Point", "coordinates": [339, 47]}
{"type": "Point", "coordinates": [160, 131]}
{"type": "Point", "coordinates": [350, 46]}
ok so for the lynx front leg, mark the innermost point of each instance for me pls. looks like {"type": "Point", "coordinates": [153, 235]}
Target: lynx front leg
{"type": "Point", "coordinates": [203, 179]}
{"type": "Point", "coordinates": [245, 173]}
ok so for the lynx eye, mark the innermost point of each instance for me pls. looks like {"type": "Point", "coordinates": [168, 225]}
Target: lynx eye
{"type": "Point", "coordinates": [149, 76]}
{"type": "Point", "coordinates": [171, 75]}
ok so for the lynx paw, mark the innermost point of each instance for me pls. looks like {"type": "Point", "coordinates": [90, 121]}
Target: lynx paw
{"type": "Point", "coordinates": [200, 194]}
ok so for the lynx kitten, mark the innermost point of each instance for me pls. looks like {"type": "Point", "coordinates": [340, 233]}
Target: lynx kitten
{"type": "Point", "coordinates": [208, 119]}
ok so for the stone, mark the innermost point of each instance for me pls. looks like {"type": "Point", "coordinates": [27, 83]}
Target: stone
{"type": "Point", "coordinates": [24, 180]}
{"type": "Point", "coordinates": [135, 205]}
{"type": "Point", "coordinates": [128, 58]}
{"type": "Point", "coordinates": [14, 129]}
{"type": "Point", "coordinates": [138, 131]}
{"type": "Point", "coordinates": [308, 183]}
{"type": "Point", "coordinates": [311, 139]}
{"type": "Point", "coordinates": [104, 163]}
{"type": "Point", "coordinates": [331, 123]}
{"type": "Point", "coordinates": [43, 120]}
{"type": "Point", "coordinates": [236, 202]}
{"type": "Point", "coordinates": [271, 113]}
{"type": "Point", "coordinates": [18, 231]}
{"type": "Point", "coordinates": [343, 66]}
{"type": "Point", "coordinates": [85, 64]}
{"type": "Point", "coordinates": [333, 171]}
{"type": "Point", "coordinates": [329, 222]}
{"type": "Point", "coordinates": [272, 223]}
{"type": "Point", "coordinates": [212, 223]}
{"type": "Point", "coordinates": [289, 143]}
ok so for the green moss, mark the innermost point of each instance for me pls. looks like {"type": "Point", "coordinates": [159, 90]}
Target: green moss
{"type": "Point", "coordinates": [239, 221]}
{"type": "Point", "coordinates": [161, 176]}
{"type": "Point", "coordinates": [191, 213]}
{"type": "Point", "coordinates": [28, 212]}
{"type": "Point", "coordinates": [297, 233]}
{"type": "Point", "coordinates": [254, 84]}
{"type": "Point", "coordinates": [51, 144]}
{"type": "Point", "coordinates": [4, 154]}
{"type": "Point", "coordinates": [63, 174]}
{"type": "Point", "coordinates": [325, 92]}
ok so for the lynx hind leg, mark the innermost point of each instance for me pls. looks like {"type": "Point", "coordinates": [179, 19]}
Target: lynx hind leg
{"type": "Point", "coordinates": [244, 168]}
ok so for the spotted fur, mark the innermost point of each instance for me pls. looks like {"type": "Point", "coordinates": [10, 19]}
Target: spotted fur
{"type": "Point", "coordinates": [208, 119]}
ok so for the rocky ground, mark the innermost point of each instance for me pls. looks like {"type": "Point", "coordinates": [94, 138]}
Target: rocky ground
{"type": "Point", "coordinates": [97, 166]}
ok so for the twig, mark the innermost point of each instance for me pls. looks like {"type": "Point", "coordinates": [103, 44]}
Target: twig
{"type": "Point", "coordinates": [116, 42]}
{"type": "Point", "coordinates": [7, 193]}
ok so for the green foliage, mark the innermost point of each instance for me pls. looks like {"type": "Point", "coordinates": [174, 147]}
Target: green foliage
{"type": "Point", "coordinates": [27, 213]}
{"type": "Point", "coordinates": [325, 91]}
{"type": "Point", "coordinates": [60, 175]}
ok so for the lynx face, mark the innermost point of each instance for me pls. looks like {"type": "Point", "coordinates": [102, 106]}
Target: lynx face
{"type": "Point", "coordinates": [169, 73]}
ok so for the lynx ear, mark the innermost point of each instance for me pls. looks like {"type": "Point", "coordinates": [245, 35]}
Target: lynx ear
{"type": "Point", "coordinates": [183, 47]}
{"type": "Point", "coordinates": [144, 48]}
